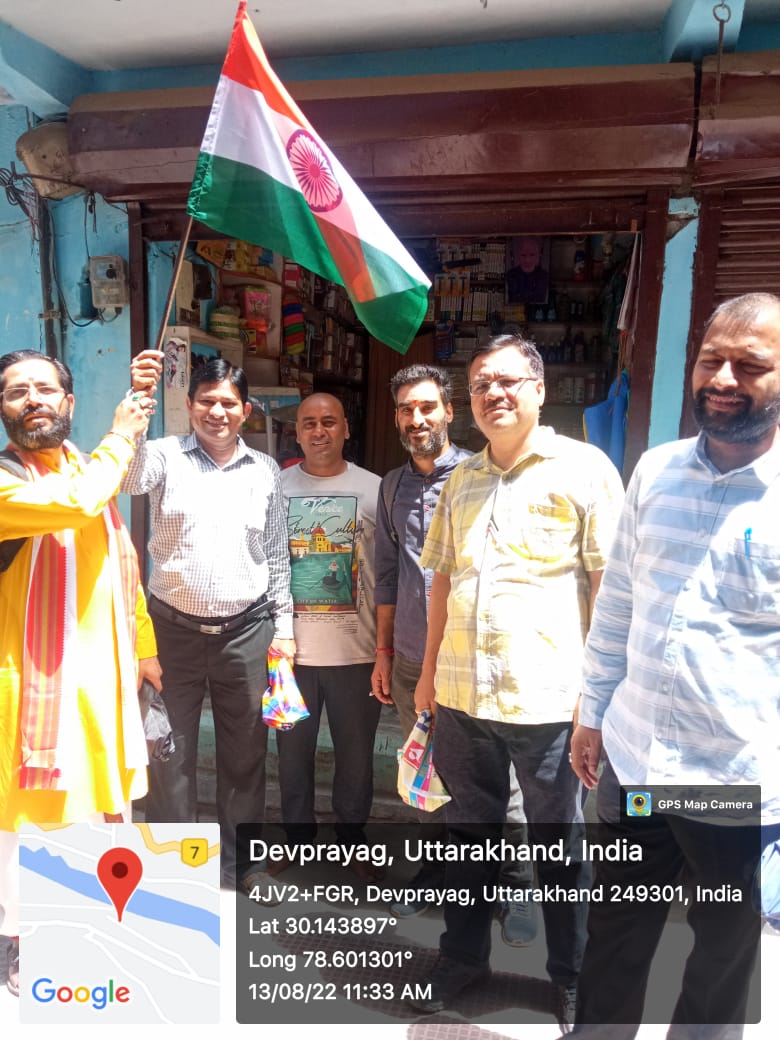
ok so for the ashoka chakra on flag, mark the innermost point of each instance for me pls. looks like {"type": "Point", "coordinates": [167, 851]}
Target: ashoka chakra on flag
{"type": "Point", "coordinates": [313, 171]}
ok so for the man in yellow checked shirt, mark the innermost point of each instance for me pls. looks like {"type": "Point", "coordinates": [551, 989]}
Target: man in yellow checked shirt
{"type": "Point", "coordinates": [75, 637]}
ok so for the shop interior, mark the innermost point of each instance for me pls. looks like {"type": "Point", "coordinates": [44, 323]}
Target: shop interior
{"type": "Point", "coordinates": [295, 333]}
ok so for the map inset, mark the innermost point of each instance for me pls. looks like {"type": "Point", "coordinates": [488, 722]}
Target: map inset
{"type": "Point", "coordinates": [119, 923]}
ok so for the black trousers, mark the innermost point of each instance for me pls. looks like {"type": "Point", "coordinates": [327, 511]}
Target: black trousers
{"type": "Point", "coordinates": [472, 756]}
{"type": "Point", "coordinates": [623, 936]}
{"type": "Point", "coordinates": [353, 716]}
{"type": "Point", "coordinates": [233, 668]}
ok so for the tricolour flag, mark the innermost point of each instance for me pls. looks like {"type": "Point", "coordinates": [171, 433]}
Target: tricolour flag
{"type": "Point", "coordinates": [263, 175]}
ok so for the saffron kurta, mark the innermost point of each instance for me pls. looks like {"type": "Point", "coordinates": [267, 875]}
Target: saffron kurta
{"type": "Point", "coordinates": [99, 780]}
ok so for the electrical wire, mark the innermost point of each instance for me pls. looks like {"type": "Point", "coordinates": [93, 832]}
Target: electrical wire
{"type": "Point", "coordinates": [107, 321]}
{"type": "Point", "coordinates": [55, 278]}
{"type": "Point", "coordinates": [19, 191]}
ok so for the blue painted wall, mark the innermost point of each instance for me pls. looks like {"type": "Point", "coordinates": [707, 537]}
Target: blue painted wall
{"type": "Point", "coordinates": [20, 273]}
{"type": "Point", "coordinates": [673, 325]}
{"type": "Point", "coordinates": [98, 353]}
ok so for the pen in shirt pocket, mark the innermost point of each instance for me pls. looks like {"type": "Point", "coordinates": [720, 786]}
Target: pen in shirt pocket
{"type": "Point", "coordinates": [748, 537]}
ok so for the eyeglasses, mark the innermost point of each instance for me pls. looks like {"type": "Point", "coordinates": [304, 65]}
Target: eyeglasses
{"type": "Point", "coordinates": [18, 393]}
{"type": "Point", "coordinates": [506, 383]}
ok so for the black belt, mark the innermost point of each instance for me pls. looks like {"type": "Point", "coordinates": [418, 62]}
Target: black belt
{"type": "Point", "coordinates": [212, 626]}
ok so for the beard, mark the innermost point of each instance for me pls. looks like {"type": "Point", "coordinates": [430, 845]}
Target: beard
{"type": "Point", "coordinates": [431, 445]}
{"type": "Point", "coordinates": [41, 437]}
{"type": "Point", "coordinates": [745, 426]}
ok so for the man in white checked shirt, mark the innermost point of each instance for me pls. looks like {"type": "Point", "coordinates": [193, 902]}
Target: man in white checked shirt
{"type": "Point", "coordinates": [219, 597]}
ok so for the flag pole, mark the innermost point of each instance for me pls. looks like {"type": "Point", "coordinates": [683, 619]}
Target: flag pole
{"type": "Point", "coordinates": [185, 236]}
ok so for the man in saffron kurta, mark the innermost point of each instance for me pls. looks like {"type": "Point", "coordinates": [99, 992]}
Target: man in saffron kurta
{"type": "Point", "coordinates": [71, 738]}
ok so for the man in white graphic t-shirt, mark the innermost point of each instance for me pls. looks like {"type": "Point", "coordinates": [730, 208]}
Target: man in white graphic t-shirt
{"type": "Point", "coordinates": [331, 519]}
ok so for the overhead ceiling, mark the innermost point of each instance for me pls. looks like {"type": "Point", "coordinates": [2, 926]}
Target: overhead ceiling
{"type": "Point", "coordinates": [127, 34]}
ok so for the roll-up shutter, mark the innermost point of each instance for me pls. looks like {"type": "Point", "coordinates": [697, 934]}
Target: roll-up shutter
{"type": "Point", "coordinates": [739, 252]}
{"type": "Point", "coordinates": [748, 242]}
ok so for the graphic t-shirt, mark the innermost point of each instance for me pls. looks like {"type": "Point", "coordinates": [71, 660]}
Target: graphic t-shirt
{"type": "Point", "coordinates": [331, 523]}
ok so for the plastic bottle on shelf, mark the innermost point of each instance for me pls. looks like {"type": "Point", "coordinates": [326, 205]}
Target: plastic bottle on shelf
{"type": "Point", "coordinates": [579, 347]}
{"type": "Point", "coordinates": [567, 348]}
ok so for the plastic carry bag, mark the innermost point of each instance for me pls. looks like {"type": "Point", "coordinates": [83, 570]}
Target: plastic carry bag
{"type": "Point", "coordinates": [604, 423]}
{"type": "Point", "coordinates": [419, 785]}
{"type": "Point", "coordinates": [283, 704]}
{"type": "Point", "coordinates": [157, 725]}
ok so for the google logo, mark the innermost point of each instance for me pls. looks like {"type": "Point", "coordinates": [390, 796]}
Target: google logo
{"type": "Point", "coordinates": [44, 991]}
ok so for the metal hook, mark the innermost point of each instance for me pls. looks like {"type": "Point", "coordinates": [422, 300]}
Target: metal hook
{"type": "Point", "coordinates": [722, 22]}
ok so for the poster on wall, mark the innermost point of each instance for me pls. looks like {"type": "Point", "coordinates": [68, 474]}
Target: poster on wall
{"type": "Point", "coordinates": [528, 273]}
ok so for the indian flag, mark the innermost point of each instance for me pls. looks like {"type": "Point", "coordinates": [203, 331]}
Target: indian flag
{"type": "Point", "coordinates": [263, 175]}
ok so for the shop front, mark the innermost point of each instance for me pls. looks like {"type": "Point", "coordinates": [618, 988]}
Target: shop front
{"type": "Point", "coordinates": [573, 158]}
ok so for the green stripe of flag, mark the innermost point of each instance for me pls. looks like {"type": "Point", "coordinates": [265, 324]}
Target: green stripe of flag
{"type": "Point", "coordinates": [246, 203]}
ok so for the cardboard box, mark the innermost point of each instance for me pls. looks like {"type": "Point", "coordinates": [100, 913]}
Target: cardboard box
{"type": "Point", "coordinates": [262, 371]}
{"type": "Point", "coordinates": [233, 286]}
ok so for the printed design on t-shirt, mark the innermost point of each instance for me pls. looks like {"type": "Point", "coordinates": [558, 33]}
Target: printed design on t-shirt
{"type": "Point", "coordinates": [324, 536]}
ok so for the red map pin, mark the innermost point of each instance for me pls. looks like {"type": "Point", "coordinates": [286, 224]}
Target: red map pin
{"type": "Point", "coordinates": [119, 871]}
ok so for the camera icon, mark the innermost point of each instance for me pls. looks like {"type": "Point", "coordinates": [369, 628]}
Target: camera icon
{"type": "Point", "coordinates": [639, 803]}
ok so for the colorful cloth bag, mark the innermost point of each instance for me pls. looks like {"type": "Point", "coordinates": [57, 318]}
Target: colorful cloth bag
{"type": "Point", "coordinates": [419, 785]}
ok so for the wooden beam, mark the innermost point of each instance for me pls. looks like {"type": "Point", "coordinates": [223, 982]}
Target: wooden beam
{"type": "Point", "coordinates": [739, 124]}
{"type": "Point", "coordinates": [600, 130]}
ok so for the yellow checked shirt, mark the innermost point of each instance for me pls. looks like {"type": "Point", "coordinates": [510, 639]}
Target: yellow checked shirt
{"type": "Point", "coordinates": [100, 780]}
{"type": "Point", "coordinates": [517, 546]}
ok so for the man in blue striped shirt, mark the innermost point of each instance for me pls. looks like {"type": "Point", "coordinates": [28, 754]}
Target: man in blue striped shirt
{"type": "Point", "coordinates": [682, 682]}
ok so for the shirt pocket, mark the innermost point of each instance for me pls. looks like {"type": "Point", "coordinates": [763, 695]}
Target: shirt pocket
{"type": "Point", "coordinates": [547, 533]}
{"type": "Point", "coordinates": [749, 581]}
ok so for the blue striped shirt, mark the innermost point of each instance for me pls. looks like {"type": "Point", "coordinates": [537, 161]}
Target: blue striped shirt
{"type": "Point", "coordinates": [682, 663]}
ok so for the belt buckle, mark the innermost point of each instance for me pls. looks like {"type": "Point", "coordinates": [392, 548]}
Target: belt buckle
{"type": "Point", "coordinates": [212, 630]}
